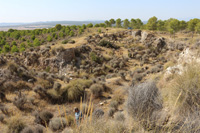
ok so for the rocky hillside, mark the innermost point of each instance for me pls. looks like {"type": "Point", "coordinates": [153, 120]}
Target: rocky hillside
{"type": "Point", "coordinates": [40, 86]}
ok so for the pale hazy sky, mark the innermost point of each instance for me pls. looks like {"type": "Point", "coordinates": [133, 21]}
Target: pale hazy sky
{"type": "Point", "coordinates": [57, 10]}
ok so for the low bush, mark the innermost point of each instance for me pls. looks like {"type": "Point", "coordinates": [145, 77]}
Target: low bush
{"type": "Point", "coordinates": [97, 90]}
{"type": "Point", "coordinates": [111, 112]}
{"type": "Point", "coordinates": [98, 113]}
{"type": "Point", "coordinates": [43, 117]}
{"type": "Point", "coordinates": [57, 124]}
{"type": "Point", "coordinates": [95, 58]}
{"type": "Point", "coordinates": [70, 120]}
{"type": "Point", "coordinates": [33, 129]}
{"type": "Point", "coordinates": [65, 41]}
{"type": "Point", "coordinates": [15, 125]}
{"type": "Point", "coordinates": [20, 101]}
{"type": "Point", "coordinates": [119, 116]}
{"type": "Point", "coordinates": [114, 105]}
{"type": "Point", "coordinates": [107, 44]}
{"type": "Point", "coordinates": [2, 118]}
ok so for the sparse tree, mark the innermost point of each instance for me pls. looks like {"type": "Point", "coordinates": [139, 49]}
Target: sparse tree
{"type": "Point", "coordinates": [90, 25]}
{"type": "Point", "coordinates": [174, 26]}
{"type": "Point", "coordinates": [152, 23]}
{"type": "Point", "coordinates": [83, 26]}
{"type": "Point", "coordinates": [112, 21]}
{"type": "Point", "coordinates": [183, 25]}
{"type": "Point", "coordinates": [118, 23]}
{"type": "Point", "coordinates": [58, 26]}
{"type": "Point", "coordinates": [96, 25]}
{"type": "Point", "coordinates": [139, 23]}
{"type": "Point", "coordinates": [126, 23]}
{"type": "Point", "coordinates": [161, 25]}
{"type": "Point", "coordinates": [197, 28]}
{"type": "Point", "coordinates": [192, 24]}
{"type": "Point", "coordinates": [108, 24]}
{"type": "Point", "coordinates": [133, 23]}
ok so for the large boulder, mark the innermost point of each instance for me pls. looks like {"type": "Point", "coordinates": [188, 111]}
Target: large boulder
{"type": "Point", "coordinates": [159, 43]}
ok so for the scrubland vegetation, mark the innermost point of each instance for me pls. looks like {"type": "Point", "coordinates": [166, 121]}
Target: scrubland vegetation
{"type": "Point", "coordinates": [125, 76]}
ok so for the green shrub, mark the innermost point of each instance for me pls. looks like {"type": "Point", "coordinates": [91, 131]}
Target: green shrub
{"type": "Point", "coordinates": [90, 25]}
{"type": "Point", "coordinates": [94, 57]}
{"type": "Point", "coordinates": [107, 44]}
{"type": "Point", "coordinates": [97, 25]}
{"type": "Point", "coordinates": [17, 35]}
{"type": "Point", "coordinates": [14, 49]}
{"type": "Point", "coordinates": [58, 26]}
{"type": "Point", "coordinates": [56, 37]}
{"type": "Point", "coordinates": [71, 33]}
{"type": "Point", "coordinates": [22, 47]}
{"type": "Point", "coordinates": [6, 48]}
{"type": "Point", "coordinates": [13, 43]}
{"type": "Point", "coordinates": [99, 30]}
{"type": "Point", "coordinates": [65, 42]}
{"type": "Point", "coordinates": [61, 34]}
{"type": "Point", "coordinates": [36, 42]}
{"type": "Point", "coordinates": [49, 38]}
{"type": "Point", "coordinates": [23, 39]}
{"type": "Point", "coordinates": [33, 37]}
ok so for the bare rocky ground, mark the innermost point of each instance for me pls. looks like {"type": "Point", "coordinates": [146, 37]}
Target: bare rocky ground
{"type": "Point", "coordinates": [53, 77]}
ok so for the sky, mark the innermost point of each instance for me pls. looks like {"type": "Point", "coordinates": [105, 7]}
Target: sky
{"type": "Point", "coordinates": [12, 11]}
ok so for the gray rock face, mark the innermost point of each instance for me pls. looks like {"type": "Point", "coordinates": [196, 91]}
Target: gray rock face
{"type": "Point", "coordinates": [159, 43]}
{"type": "Point", "coordinates": [66, 55]}
{"type": "Point", "coordinates": [136, 33]}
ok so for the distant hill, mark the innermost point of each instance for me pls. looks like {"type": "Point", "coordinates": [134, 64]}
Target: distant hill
{"type": "Point", "coordinates": [47, 24]}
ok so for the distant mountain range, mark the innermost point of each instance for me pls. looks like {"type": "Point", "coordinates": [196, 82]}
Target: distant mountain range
{"type": "Point", "coordinates": [50, 23]}
{"type": "Point", "coordinates": [39, 25]}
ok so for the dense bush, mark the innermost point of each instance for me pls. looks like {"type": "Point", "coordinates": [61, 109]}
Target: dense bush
{"type": "Point", "coordinates": [143, 100]}
{"type": "Point", "coordinates": [71, 92]}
